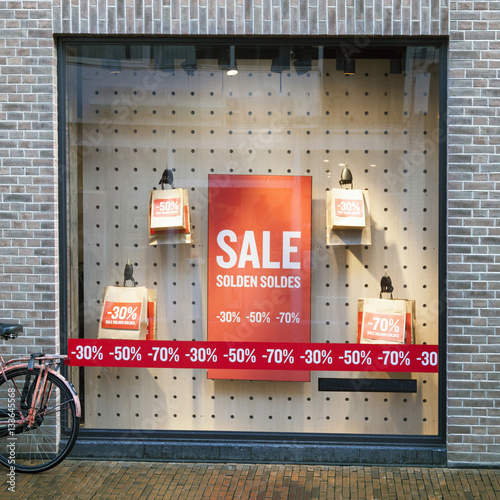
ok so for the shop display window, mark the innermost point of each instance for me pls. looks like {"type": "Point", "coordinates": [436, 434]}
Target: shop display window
{"type": "Point", "coordinates": [134, 111]}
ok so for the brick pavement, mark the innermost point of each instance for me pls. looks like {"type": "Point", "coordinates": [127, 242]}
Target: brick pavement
{"type": "Point", "coordinates": [81, 480]}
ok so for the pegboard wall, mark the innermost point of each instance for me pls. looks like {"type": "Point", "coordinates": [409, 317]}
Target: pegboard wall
{"type": "Point", "coordinates": [126, 127]}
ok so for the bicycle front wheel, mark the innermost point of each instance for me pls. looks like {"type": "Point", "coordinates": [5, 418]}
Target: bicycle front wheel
{"type": "Point", "coordinates": [45, 443]}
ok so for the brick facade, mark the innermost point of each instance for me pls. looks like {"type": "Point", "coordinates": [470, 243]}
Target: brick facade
{"type": "Point", "coordinates": [246, 17]}
{"type": "Point", "coordinates": [473, 234]}
{"type": "Point", "coordinates": [29, 159]}
{"type": "Point", "coordinates": [28, 169]}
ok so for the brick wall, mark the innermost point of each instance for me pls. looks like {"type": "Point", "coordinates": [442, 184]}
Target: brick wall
{"type": "Point", "coordinates": [474, 243]}
{"type": "Point", "coordinates": [28, 172]}
{"type": "Point", "coordinates": [28, 159]}
{"type": "Point", "coordinates": [252, 17]}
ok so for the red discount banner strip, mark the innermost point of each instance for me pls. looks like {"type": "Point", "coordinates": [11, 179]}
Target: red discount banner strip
{"type": "Point", "coordinates": [254, 355]}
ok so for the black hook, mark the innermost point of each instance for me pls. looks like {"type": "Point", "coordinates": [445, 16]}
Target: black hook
{"type": "Point", "coordinates": [386, 285]}
{"type": "Point", "coordinates": [128, 273]}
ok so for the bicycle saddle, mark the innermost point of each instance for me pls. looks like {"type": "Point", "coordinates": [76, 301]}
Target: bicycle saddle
{"type": "Point", "coordinates": [10, 331]}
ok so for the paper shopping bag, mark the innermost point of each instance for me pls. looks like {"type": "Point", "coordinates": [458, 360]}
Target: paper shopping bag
{"type": "Point", "coordinates": [124, 313]}
{"type": "Point", "coordinates": [171, 236]}
{"type": "Point", "coordinates": [386, 321]}
{"type": "Point", "coordinates": [347, 209]}
{"type": "Point", "coordinates": [166, 207]}
{"type": "Point", "coordinates": [347, 235]}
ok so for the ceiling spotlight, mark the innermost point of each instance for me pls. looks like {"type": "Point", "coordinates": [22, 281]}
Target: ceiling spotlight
{"type": "Point", "coordinates": [302, 60]}
{"type": "Point", "coordinates": [189, 65]}
{"type": "Point", "coordinates": [349, 66]}
{"type": "Point", "coordinates": [232, 69]}
{"type": "Point", "coordinates": [163, 59]}
{"type": "Point", "coordinates": [115, 67]}
{"type": "Point", "coordinates": [282, 60]}
{"type": "Point", "coordinates": [396, 67]}
{"type": "Point", "coordinates": [112, 58]}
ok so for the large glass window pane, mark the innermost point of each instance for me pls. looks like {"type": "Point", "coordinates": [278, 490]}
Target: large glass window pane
{"type": "Point", "coordinates": [133, 110]}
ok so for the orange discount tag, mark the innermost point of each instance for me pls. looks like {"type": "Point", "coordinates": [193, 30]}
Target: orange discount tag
{"type": "Point", "coordinates": [348, 208]}
{"type": "Point", "coordinates": [121, 315]}
{"type": "Point", "coordinates": [390, 327]}
{"type": "Point", "coordinates": [170, 207]}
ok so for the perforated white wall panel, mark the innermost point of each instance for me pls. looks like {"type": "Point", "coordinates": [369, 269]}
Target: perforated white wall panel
{"type": "Point", "coordinates": [384, 126]}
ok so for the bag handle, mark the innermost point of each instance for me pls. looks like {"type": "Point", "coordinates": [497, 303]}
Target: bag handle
{"type": "Point", "coordinates": [128, 273]}
{"type": "Point", "coordinates": [167, 178]}
{"type": "Point", "coordinates": [345, 177]}
{"type": "Point", "coordinates": [386, 285]}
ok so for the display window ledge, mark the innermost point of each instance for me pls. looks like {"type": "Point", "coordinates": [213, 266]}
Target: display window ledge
{"type": "Point", "coordinates": [252, 447]}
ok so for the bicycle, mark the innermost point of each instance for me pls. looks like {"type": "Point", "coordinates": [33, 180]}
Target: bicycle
{"type": "Point", "coordinates": [39, 410]}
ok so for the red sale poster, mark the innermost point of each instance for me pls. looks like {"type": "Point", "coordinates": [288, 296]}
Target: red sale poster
{"type": "Point", "coordinates": [259, 273]}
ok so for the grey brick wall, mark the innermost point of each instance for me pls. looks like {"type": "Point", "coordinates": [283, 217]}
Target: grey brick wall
{"type": "Point", "coordinates": [474, 234]}
{"type": "Point", "coordinates": [252, 17]}
{"type": "Point", "coordinates": [28, 159]}
{"type": "Point", "coordinates": [28, 173]}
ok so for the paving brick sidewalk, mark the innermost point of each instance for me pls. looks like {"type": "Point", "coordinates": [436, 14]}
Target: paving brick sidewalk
{"type": "Point", "coordinates": [75, 479]}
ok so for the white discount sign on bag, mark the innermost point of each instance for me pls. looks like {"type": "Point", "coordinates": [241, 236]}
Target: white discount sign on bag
{"type": "Point", "coordinates": [121, 316]}
{"type": "Point", "coordinates": [384, 320]}
{"type": "Point", "coordinates": [168, 208]}
{"type": "Point", "coordinates": [348, 208]}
